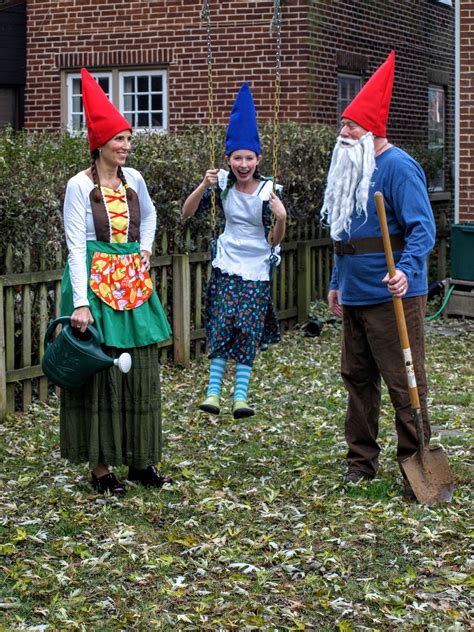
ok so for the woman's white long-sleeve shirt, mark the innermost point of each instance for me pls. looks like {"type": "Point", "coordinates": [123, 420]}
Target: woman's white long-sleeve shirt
{"type": "Point", "coordinates": [79, 225]}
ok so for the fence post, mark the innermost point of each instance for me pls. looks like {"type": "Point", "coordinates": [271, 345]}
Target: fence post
{"type": "Point", "coordinates": [3, 364]}
{"type": "Point", "coordinates": [181, 309]}
{"type": "Point", "coordinates": [304, 279]}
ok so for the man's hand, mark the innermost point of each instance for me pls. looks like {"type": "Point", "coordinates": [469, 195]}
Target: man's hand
{"type": "Point", "coordinates": [334, 305]}
{"type": "Point", "coordinates": [398, 284]}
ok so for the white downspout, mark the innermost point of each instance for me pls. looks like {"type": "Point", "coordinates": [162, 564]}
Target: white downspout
{"type": "Point", "coordinates": [457, 89]}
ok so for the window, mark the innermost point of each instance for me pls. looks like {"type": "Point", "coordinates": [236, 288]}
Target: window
{"type": "Point", "coordinates": [143, 99]}
{"type": "Point", "coordinates": [8, 107]}
{"type": "Point", "coordinates": [347, 87]}
{"type": "Point", "coordinates": [448, 2]}
{"type": "Point", "coordinates": [436, 137]}
{"type": "Point", "coordinates": [76, 119]}
{"type": "Point", "coordinates": [141, 96]}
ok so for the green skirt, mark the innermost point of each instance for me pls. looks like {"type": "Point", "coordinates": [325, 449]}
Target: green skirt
{"type": "Point", "coordinates": [115, 418]}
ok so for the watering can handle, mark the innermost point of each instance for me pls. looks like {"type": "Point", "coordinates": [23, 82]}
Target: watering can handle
{"type": "Point", "coordinates": [66, 320]}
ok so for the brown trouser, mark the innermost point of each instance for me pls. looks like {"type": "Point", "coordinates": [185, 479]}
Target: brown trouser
{"type": "Point", "coordinates": [371, 350]}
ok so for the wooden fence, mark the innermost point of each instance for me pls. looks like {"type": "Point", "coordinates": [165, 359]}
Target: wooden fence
{"type": "Point", "coordinates": [30, 298]}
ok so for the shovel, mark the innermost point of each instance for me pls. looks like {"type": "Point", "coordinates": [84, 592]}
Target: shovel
{"type": "Point", "coordinates": [427, 470]}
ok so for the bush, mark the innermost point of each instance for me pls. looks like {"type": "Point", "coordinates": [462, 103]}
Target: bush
{"type": "Point", "coordinates": [35, 167]}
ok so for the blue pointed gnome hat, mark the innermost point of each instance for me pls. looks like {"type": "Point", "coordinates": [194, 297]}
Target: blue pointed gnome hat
{"type": "Point", "coordinates": [242, 131]}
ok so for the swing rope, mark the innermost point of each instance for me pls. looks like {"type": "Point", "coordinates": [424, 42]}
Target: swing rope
{"type": "Point", "coordinates": [206, 19]}
{"type": "Point", "coordinates": [275, 29]}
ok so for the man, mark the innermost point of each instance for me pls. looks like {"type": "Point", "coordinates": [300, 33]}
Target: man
{"type": "Point", "coordinates": [360, 292]}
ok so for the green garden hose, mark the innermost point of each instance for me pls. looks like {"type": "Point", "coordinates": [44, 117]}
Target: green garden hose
{"type": "Point", "coordinates": [443, 305]}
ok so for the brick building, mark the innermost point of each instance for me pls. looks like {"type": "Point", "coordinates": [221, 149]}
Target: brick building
{"type": "Point", "coordinates": [150, 56]}
{"type": "Point", "coordinates": [465, 136]}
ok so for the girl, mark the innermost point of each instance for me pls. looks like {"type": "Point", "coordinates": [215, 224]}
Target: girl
{"type": "Point", "coordinates": [110, 224]}
{"type": "Point", "coordinates": [240, 317]}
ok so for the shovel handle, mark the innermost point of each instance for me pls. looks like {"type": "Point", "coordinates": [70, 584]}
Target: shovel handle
{"type": "Point", "coordinates": [399, 313]}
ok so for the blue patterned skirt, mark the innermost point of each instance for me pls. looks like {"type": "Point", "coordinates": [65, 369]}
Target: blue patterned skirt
{"type": "Point", "coordinates": [240, 317]}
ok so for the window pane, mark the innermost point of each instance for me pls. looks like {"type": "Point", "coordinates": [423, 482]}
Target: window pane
{"type": "Point", "coordinates": [129, 103]}
{"type": "Point", "coordinates": [104, 84]}
{"type": "Point", "coordinates": [77, 122]}
{"type": "Point", "coordinates": [142, 103]}
{"type": "Point", "coordinates": [156, 119]}
{"type": "Point", "coordinates": [128, 84]}
{"type": "Point", "coordinates": [143, 120]}
{"type": "Point", "coordinates": [142, 84]}
{"type": "Point", "coordinates": [157, 102]}
{"type": "Point", "coordinates": [157, 84]}
{"type": "Point", "coordinates": [76, 86]}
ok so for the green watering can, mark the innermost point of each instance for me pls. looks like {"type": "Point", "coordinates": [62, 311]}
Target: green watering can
{"type": "Point", "coordinates": [73, 356]}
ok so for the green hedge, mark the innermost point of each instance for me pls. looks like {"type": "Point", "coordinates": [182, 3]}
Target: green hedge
{"type": "Point", "coordinates": [35, 166]}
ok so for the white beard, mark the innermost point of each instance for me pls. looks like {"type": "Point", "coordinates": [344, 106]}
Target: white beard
{"type": "Point", "coordinates": [348, 184]}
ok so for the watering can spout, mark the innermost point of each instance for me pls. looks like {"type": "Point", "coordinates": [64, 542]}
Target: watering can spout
{"type": "Point", "coordinates": [123, 362]}
{"type": "Point", "coordinates": [73, 357]}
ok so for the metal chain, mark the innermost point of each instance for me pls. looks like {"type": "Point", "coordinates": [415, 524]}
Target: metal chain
{"type": "Point", "coordinates": [275, 29]}
{"type": "Point", "coordinates": [206, 19]}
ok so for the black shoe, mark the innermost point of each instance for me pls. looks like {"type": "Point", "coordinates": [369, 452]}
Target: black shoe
{"type": "Point", "coordinates": [355, 476]}
{"type": "Point", "coordinates": [108, 483]}
{"type": "Point", "coordinates": [149, 477]}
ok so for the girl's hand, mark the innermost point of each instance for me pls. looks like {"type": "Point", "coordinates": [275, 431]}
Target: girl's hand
{"type": "Point", "coordinates": [210, 179]}
{"type": "Point", "coordinates": [146, 259]}
{"type": "Point", "coordinates": [277, 208]}
{"type": "Point", "coordinates": [81, 317]}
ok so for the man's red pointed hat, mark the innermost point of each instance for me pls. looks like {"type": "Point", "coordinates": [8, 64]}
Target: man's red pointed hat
{"type": "Point", "coordinates": [102, 117]}
{"type": "Point", "coordinates": [371, 105]}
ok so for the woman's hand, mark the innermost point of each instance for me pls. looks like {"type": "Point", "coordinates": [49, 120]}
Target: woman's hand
{"type": "Point", "coordinates": [398, 284]}
{"type": "Point", "coordinates": [81, 317]}
{"type": "Point", "coordinates": [146, 254]}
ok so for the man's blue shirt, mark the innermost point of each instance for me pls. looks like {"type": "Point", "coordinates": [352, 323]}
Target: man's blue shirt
{"type": "Point", "coordinates": [402, 182]}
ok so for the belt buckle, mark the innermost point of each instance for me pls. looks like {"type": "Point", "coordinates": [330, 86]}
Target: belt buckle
{"type": "Point", "coordinates": [350, 248]}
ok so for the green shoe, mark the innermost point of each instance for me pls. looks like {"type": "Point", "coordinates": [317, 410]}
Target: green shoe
{"type": "Point", "coordinates": [211, 405]}
{"type": "Point", "coordinates": [240, 409]}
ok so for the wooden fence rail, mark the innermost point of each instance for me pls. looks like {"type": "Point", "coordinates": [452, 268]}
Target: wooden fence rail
{"type": "Point", "coordinates": [30, 298]}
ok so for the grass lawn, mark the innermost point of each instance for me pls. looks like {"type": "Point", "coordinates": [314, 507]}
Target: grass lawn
{"type": "Point", "coordinates": [258, 532]}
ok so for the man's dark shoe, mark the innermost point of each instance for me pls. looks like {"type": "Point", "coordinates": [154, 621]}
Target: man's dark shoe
{"type": "Point", "coordinates": [355, 476]}
{"type": "Point", "coordinates": [149, 477]}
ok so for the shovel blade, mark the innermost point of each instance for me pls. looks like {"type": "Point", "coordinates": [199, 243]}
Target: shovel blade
{"type": "Point", "coordinates": [430, 476]}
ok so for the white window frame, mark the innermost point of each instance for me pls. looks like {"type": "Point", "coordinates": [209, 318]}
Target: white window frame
{"type": "Point", "coordinates": [69, 79]}
{"type": "Point", "coordinates": [116, 93]}
{"type": "Point", "coordinates": [146, 73]}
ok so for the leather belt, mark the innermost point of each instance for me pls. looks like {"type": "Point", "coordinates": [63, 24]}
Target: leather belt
{"type": "Point", "coordinates": [367, 245]}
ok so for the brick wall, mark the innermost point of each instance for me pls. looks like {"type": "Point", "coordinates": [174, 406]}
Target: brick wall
{"type": "Point", "coordinates": [320, 38]}
{"type": "Point", "coordinates": [466, 113]}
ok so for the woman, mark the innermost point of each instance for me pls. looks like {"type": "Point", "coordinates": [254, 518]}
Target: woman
{"type": "Point", "coordinates": [110, 224]}
{"type": "Point", "coordinates": [240, 317]}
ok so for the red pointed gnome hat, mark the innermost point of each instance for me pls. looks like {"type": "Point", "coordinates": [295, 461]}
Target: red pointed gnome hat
{"type": "Point", "coordinates": [371, 105]}
{"type": "Point", "coordinates": [102, 117]}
